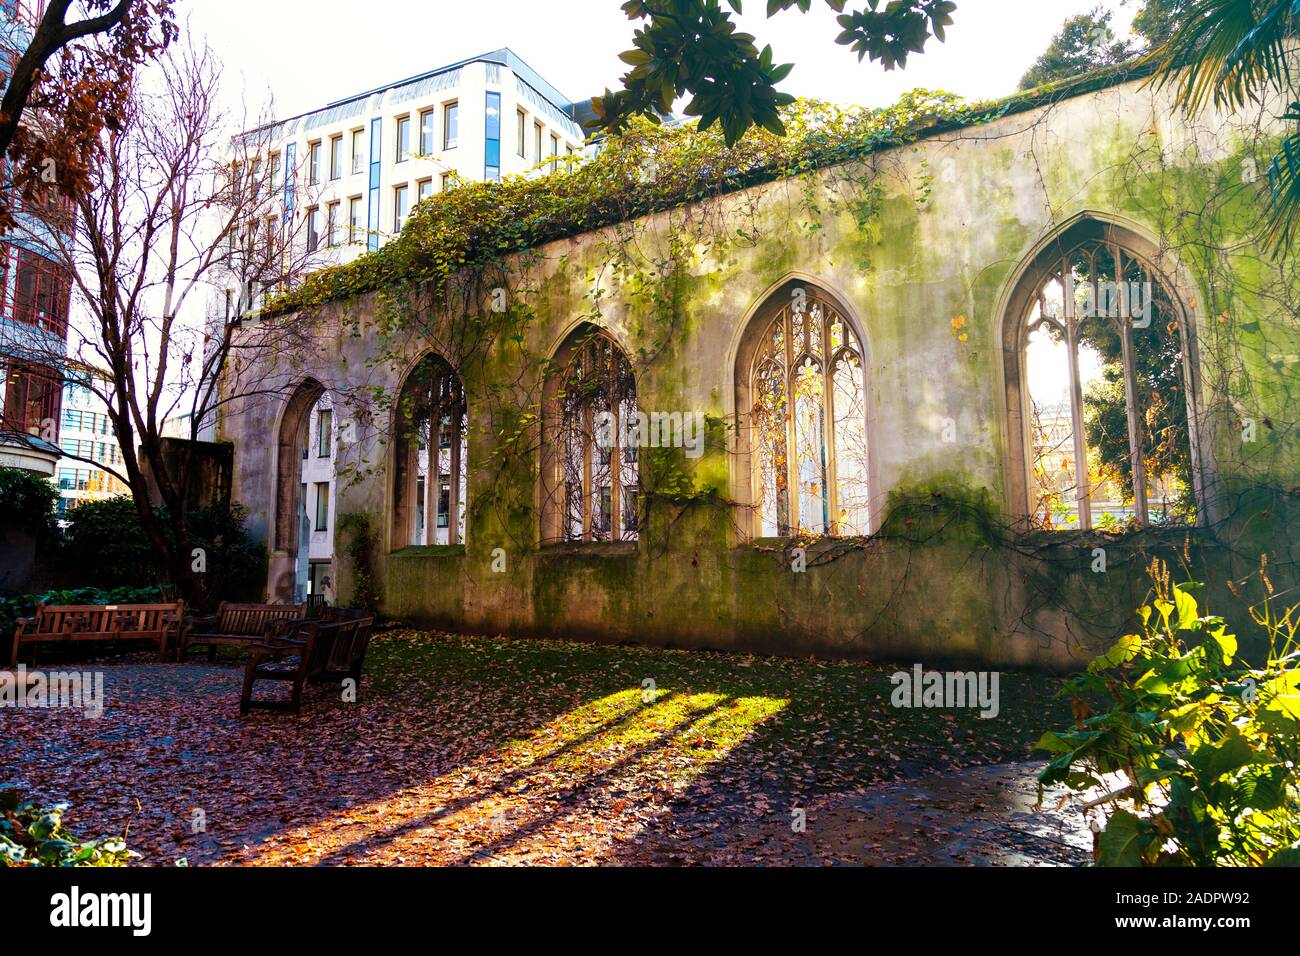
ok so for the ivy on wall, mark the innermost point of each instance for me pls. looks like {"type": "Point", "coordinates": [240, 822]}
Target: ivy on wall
{"type": "Point", "coordinates": [647, 169]}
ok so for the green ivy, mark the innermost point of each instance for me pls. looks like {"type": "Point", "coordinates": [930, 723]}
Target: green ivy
{"type": "Point", "coordinates": [355, 528]}
{"type": "Point", "coordinates": [646, 169]}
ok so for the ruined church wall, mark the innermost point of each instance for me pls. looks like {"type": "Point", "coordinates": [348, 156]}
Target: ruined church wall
{"type": "Point", "coordinates": [922, 245]}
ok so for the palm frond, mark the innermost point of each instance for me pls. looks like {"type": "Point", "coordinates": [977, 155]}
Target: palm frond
{"type": "Point", "coordinates": [1284, 178]}
{"type": "Point", "coordinates": [1230, 51]}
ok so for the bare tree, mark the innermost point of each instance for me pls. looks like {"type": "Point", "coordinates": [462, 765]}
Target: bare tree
{"type": "Point", "coordinates": [177, 213]}
{"type": "Point", "coordinates": [76, 77]}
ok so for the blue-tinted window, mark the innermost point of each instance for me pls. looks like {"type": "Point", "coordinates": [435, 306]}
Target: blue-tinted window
{"type": "Point", "coordinates": [290, 167]}
{"type": "Point", "coordinates": [376, 164]}
{"type": "Point", "coordinates": [492, 170]}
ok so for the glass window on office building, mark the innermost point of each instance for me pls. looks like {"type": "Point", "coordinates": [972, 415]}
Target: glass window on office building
{"type": "Point", "coordinates": [521, 133]}
{"type": "Point", "coordinates": [401, 206]}
{"type": "Point", "coordinates": [336, 157]}
{"type": "Point", "coordinates": [313, 163]}
{"type": "Point", "coordinates": [356, 231]}
{"type": "Point", "coordinates": [358, 151]}
{"type": "Point", "coordinates": [492, 121]}
{"type": "Point", "coordinates": [450, 125]}
{"type": "Point", "coordinates": [426, 133]}
{"type": "Point", "coordinates": [322, 505]}
{"type": "Point", "coordinates": [313, 228]}
{"type": "Point", "coordinates": [423, 190]}
{"type": "Point", "coordinates": [324, 433]}
{"type": "Point", "coordinates": [403, 138]}
{"type": "Point", "coordinates": [332, 225]}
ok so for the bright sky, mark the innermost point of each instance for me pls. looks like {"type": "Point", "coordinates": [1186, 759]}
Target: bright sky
{"type": "Point", "coordinates": [309, 52]}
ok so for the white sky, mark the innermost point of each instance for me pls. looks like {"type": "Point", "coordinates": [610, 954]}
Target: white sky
{"type": "Point", "coordinates": [309, 52]}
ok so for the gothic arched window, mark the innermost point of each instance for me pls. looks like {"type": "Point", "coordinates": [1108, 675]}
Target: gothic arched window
{"type": "Point", "coordinates": [808, 423]}
{"type": "Point", "coordinates": [592, 481]}
{"type": "Point", "coordinates": [431, 456]}
{"type": "Point", "coordinates": [1105, 367]}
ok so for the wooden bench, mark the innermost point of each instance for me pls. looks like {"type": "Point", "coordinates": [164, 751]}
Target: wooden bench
{"type": "Point", "coordinates": [306, 652]}
{"type": "Point", "coordinates": [66, 623]}
{"type": "Point", "coordinates": [237, 625]}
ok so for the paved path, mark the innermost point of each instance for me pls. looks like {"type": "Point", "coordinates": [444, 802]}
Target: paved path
{"type": "Point", "coordinates": [976, 816]}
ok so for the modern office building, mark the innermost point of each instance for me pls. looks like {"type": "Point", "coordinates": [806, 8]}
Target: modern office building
{"type": "Point", "coordinates": [363, 162]}
{"type": "Point", "coordinates": [34, 294]}
{"type": "Point", "coordinates": [87, 441]}
{"type": "Point", "coordinates": [346, 177]}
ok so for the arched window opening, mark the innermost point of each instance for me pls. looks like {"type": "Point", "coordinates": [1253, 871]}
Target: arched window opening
{"type": "Point", "coordinates": [432, 456]}
{"type": "Point", "coordinates": [809, 423]}
{"type": "Point", "coordinates": [595, 480]}
{"type": "Point", "coordinates": [1106, 365]}
{"type": "Point", "coordinates": [303, 492]}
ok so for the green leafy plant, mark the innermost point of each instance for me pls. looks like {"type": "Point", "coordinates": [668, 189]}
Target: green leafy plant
{"type": "Point", "coordinates": [27, 503]}
{"type": "Point", "coordinates": [693, 46]}
{"type": "Point", "coordinates": [1234, 53]}
{"type": "Point", "coordinates": [32, 834]}
{"type": "Point", "coordinates": [106, 546]}
{"type": "Point", "coordinates": [1194, 752]}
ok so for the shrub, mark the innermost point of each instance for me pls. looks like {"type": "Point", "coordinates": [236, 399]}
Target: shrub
{"type": "Point", "coordinates": [236, 565]}
{"type": "Point", "coordinates": [105, 545]}
{"type": "Point", "coordinates": [1205, 748]}
{"type": "Point", "coordinates": [34, 835]}
{"type": "Point", "coordinates": [27, 503]}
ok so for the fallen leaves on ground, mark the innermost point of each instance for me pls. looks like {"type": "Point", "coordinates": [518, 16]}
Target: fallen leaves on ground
{"type": "Point", "coordinates": [468, 750]}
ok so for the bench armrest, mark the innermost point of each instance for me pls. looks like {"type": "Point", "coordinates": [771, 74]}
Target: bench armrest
{"type": "Point", "coordinates": [277, 630]}
{"type": "Point", "coordinates": [269, 650]}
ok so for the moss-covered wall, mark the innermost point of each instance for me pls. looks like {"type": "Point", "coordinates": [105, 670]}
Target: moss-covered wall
{"type": "Point", "coordinates": [923, 245]}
